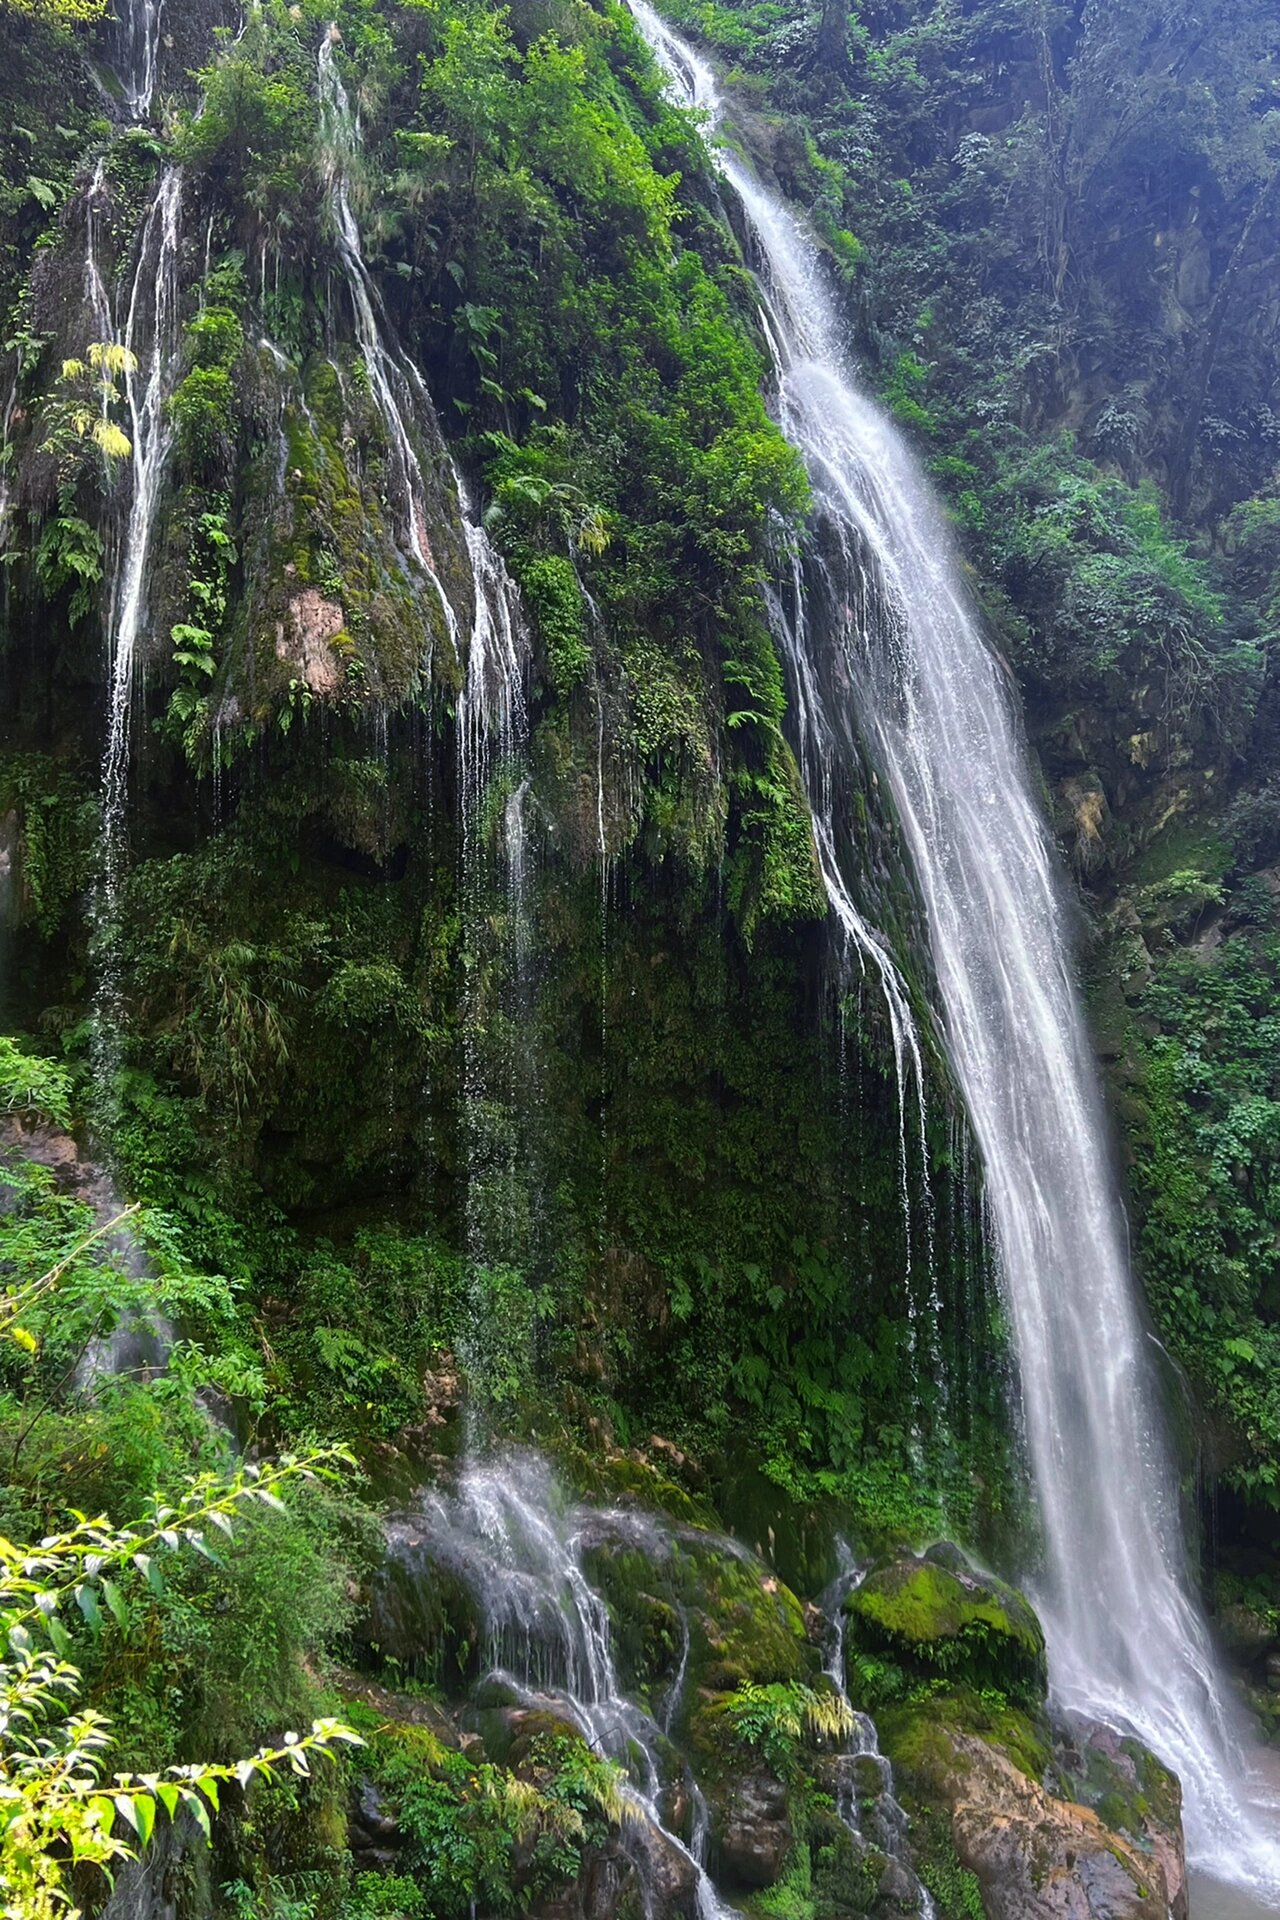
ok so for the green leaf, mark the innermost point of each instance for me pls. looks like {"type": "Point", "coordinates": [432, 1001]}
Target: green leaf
{"type": "Point", "coordinates": [127, 1807]}
{"type": "Point", "coordinates": [87, 1601]}
{"type": "Point", "coordinates": [145, 1808]}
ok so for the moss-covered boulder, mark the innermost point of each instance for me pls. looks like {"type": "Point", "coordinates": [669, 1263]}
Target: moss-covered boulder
{"type": "Point", "coordinates": [1130, 1790]}
{"type": "Point", "coordinates": [939, 1616]}
{"type": "Point", "coordinates": [1001, 1821]}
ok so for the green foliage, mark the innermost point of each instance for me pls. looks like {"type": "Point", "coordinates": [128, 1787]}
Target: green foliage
{"type": "Point", "coordinates": [201, 408]}
{"type": "Point", "coordinates": [211, 557]}
{"type": "Point", "coordinates": [477, 1833]}
{"type": "Point", "coordinates": [1207, 1132]}
{"type": "Point", "coordinates": [59, 823]}
{"type": "Point", "coordinates": [778, 1719]}
{"type": "Point", "coordinates": [944, 1628]}
{"type": "Point", "coordinates": [58, 1811]}
{"type": "Point", "coordinates": [32, 1084]}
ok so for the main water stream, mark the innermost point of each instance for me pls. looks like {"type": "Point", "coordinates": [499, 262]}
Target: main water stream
{"type": "Point", "coordinates": [880, 620]}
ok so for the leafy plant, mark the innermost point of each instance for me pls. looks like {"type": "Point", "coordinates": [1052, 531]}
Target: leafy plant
{"type": "Point", "coordinates": [56, 1810]}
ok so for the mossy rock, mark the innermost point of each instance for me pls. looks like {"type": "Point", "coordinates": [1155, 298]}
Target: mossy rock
{"type": "Point", "coordinates": [939, 1616]}
{"type": "Point", "coordinates": [1129, 1789]}
{"type": "Point", "coordinates": [919, 1736]}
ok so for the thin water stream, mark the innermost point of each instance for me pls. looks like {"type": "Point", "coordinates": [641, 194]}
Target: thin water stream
{"type": "Point", "coordinates": [150, 335]}
{"type": "Point", "coordinates": [887, 630]}
{"type": "Point", "coordinates": [509, 1535]}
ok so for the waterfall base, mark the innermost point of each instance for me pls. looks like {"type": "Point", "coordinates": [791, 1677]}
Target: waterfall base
{"type": "Point", "coordinates": [736, 1762]}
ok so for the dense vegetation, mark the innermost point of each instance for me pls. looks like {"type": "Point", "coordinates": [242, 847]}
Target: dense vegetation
{"type": "Point", "coordinates": [615, 1137]}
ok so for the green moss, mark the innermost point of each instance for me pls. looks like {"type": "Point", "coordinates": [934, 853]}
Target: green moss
{"type": "Point", "coordinates": [951, 1622]}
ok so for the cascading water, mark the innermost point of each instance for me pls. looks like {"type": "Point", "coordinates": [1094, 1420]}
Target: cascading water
{"type": "Point", "coordinates": [887, 614]}
{"type": "Point", "coordinates": [392, 381]}
{"type": "Point", "coordinates": [150, 335]}
{"type": "Point", "coordinates": [6, 452]}
{"type": "Point", "coordinates": [491, 734]}
{"type": "Point", "coordinates": [825, 739]}
{"type": "Point", "coordinates": [499, 1096]}
{"type": "Point", "coordinates": [509, 1537]}
{"type": "Point", "coordinates": [886, 1817]}
{"type": "Point", "coordinates": [140, 38]}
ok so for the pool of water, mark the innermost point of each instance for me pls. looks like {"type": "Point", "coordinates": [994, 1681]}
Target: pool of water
{"type": "Point", "coordinates": [1211, 1899]}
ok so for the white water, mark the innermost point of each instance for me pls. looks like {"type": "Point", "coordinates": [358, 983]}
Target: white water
{"type": "Point", "coordinates": [141, 37]}
{"type": "Point", "coordinates": [510, 1537]}
{"type": "Point", "coordinates": [885, 1817]}
{"type": "Point", "coordinates": [889, 616]}
{"type": "Point", "coordinates": [824, 739]}
{"type": "Point", "coordinates": [499, 1091]}
{"type": "Point", "coordinates": [491, 734]}
{"type": "Point", "coordinates": [392, 381]}
{"type": "Point", "coordinates": [6, 453]}
{"type": "Point", "coordinates": [150, 333]}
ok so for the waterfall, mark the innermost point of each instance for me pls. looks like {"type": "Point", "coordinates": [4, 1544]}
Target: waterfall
{"type": "Point", "coordinates": [6, 452]}
{"type": "Point", "coordinates": [140, 38]}
{"type": "Point", "coordinates": [887, 1819]}
{"type": "Point", "coordinates": [393, 382]}
{"type": "Point", "coordinates": [151, 335]}
{"type": "Point", "coordinates": [889, 624]}
{"type": "Point", "coordinates": [498, 1084]}
{"type": "Point", "coordinates": [824, 738]}
{"type": "Point", "coordinates": [491, 738]}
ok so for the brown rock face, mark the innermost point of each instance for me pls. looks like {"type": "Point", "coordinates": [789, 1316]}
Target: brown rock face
{"type": "Point", "coordinates": [314, 623]}
{"type": "Point", "coordinates": [1040, 1858]}
{"type": "Point", "coordinates": [753, 1832]}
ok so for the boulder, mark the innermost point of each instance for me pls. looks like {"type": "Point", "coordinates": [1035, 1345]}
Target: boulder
{"type": "Point", "coordinates": [643, 1875]}
{"type": "Point", "coordinates": [751, 1829]}
{"type": "Point", "coordinates": [1039, 1858]}
{"type": "Point", "coordinates": [1135, 1794]}
{"type": "Point", "coordinates": [937, 1614]}
{"type": "Point", "coordinates": [1036, 1850]}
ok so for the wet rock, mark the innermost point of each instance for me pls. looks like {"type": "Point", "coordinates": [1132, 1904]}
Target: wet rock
{"type": "Point", "coordinates": [1131, 1791]}
{"type": "Point", "coordinates": [1036, 1854]}
{"type": "Point", "coordinates": [373, 1832]}
{"type": "Point", "coordinates": [1247, 1635]}
{"type": "Point", "coordinates": [896, 1887]}
{"type": "Point", "coordinates": [1037, 1858]}
{"type": "Point", "coordinates": [509, 1732]}
{"type": "Point", "coordinates": [647, 1876]}
{"type": "Point", "coordinates": [752, 1829]}
{"type": "Point", "coordinates": [305, 642]}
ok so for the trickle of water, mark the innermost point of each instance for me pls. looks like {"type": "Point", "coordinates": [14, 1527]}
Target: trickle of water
{"type": "Point", "coordinates": [392, 380]}
{"type": "Point", "coordinates": [1127, 1644]}
{"type": "Point", "coordinates": [492, 737]}
{"type": "Point", "coordinates": [508, 1535]}
{"type": "Point", "coordinates": [151, 336]}
{"type": "Point", "coordinates": [6, 453]}
{"type": "Point", "coordinates": [886, 1818]}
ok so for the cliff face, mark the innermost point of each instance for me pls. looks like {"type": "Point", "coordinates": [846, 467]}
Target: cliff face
{"type": "Point", "coordinates": [406, 876]}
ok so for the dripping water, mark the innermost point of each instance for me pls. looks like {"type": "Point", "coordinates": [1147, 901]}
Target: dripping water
{"type": "Point", "coordinates": [391, 380]}
{"type": "Point", "coordinates": [885, 1817]}
{"type": "Point", "coordinates": [519, 1549]}
{"type": "Point", "coordinates": [140, 48]}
